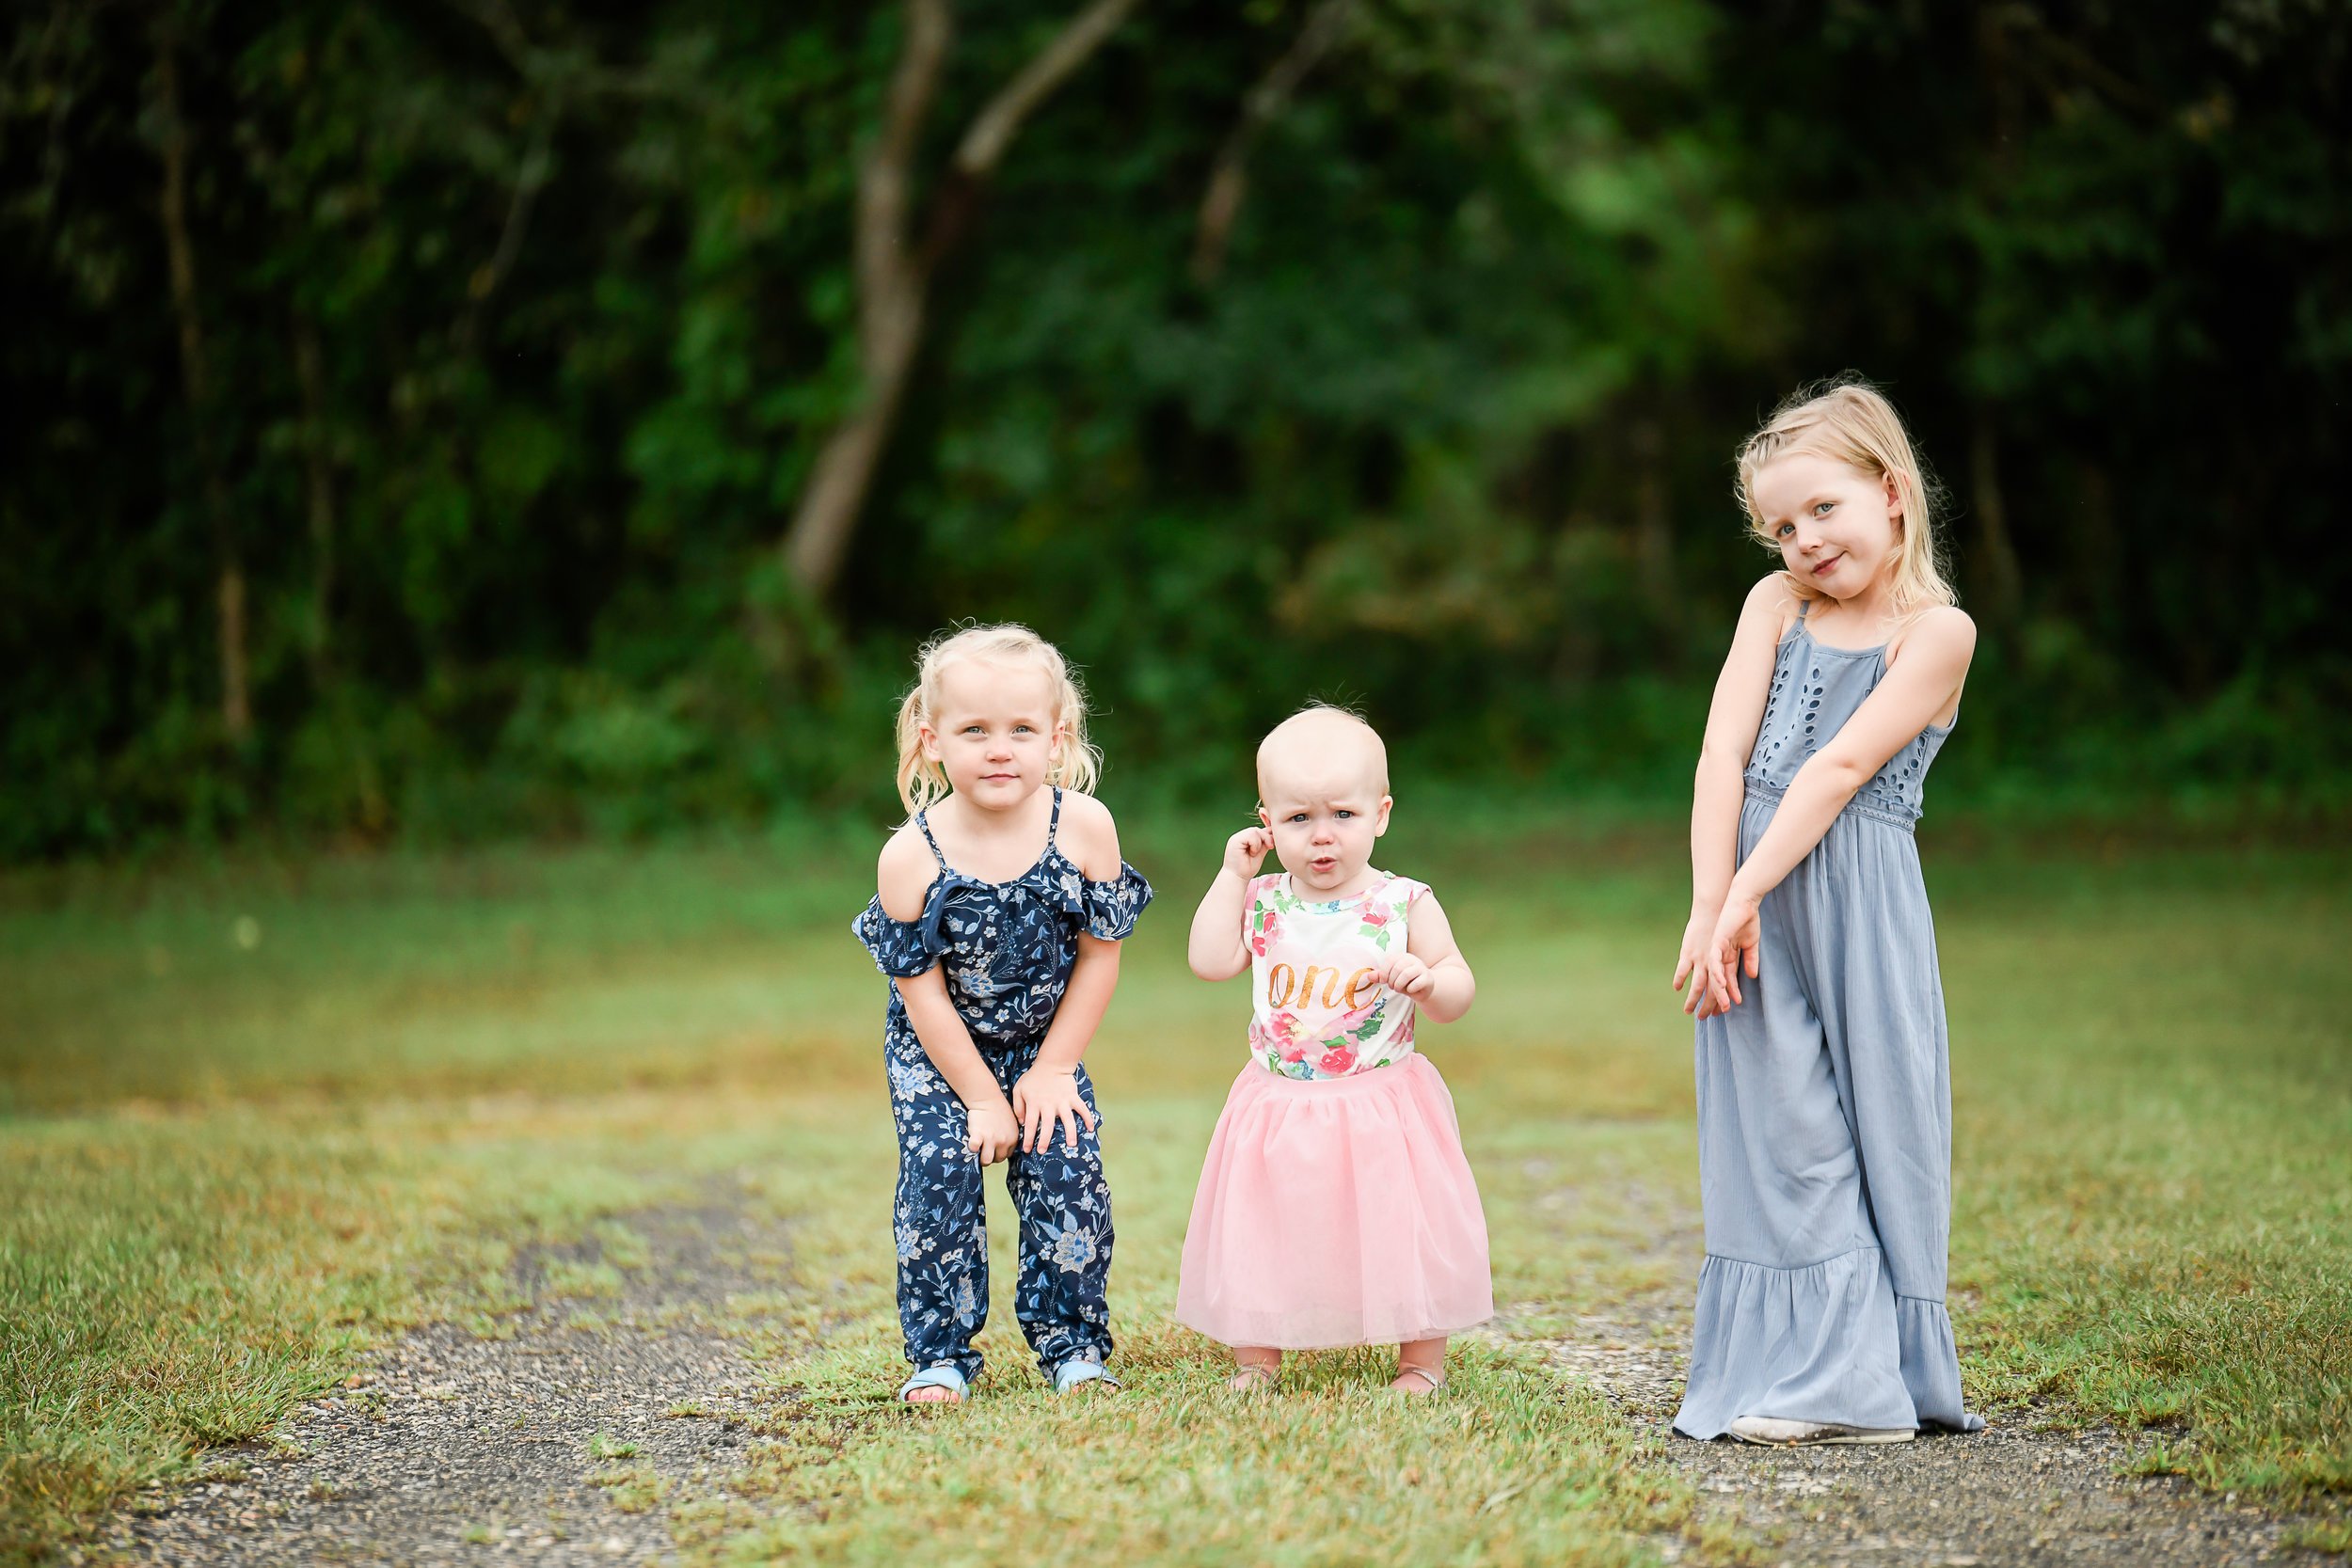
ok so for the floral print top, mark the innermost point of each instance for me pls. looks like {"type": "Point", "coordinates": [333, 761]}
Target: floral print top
{"type": "Point", "coordinates": [1007, 947]}
{"type": "Point", "coordinates": [1319, 1011]}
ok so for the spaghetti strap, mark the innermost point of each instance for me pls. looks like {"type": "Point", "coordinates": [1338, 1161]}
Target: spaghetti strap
{"type": "Point", "coordinates": [1795, 628]}
{"type": "Point", "coordinates": [1053, 823]}
{"type": "Point", "coordinates": [922, 820]}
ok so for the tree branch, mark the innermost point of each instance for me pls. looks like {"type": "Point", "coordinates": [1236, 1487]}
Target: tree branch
{"type": "Point", "coordinates": [994, 127]}
{"type": "Point", "coordinates": [2064, 52]}
{"type": "Point", "coordinates": [573, 72]}
{"type": "Point", "coordinates": [1229, 178]}
{"type": "Point", "coordinates": [486, 278]}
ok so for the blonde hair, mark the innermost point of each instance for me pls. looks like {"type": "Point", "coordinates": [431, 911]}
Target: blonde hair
{"type": "Point", "coordinates": [1850, 419]}
{"type": "Point", "coordinates": [1076, 762]}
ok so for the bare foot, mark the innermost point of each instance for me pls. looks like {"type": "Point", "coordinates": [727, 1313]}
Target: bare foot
{"type": "Point", "coordinates": [933, 1395]}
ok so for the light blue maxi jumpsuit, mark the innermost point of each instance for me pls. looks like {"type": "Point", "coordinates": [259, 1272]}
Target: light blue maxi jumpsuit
{"type": "Point", "coordinates": [1824, 1101]}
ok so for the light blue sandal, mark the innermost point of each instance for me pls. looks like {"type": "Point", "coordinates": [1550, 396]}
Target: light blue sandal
{"type": "Point", "coordinates": [1080, 1370]}
{"type": "Point", "coordinates": [942, 1376]}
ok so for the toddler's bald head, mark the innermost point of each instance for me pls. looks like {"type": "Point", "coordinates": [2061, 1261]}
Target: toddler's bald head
{"type": "Point", "coordinates": [1322, 753]}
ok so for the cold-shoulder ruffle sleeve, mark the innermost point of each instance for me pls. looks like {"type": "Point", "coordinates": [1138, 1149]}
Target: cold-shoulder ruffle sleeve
{"type": "Point", "coordinates": [1107, 910]}
{"type": "Point", "coordinates": [1112, 907]}
{"type": "Point", "coordinates": [901, 948]}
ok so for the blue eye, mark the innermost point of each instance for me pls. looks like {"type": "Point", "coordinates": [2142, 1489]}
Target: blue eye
{"type": "Point", "coordinates": [1784, 531]}
{"type": "Point", "coordinates": [1297, 816]}
{"type": "Point", "coordinates": [1824, 508]}
{"type": "Point", "coordinates": [1346, 814]}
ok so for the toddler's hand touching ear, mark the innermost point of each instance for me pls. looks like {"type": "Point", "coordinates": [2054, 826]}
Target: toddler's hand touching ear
{"type": "Point", "coordinates": [1247, 850]}
{"type": "Point", "coordinates": [1410, 976]}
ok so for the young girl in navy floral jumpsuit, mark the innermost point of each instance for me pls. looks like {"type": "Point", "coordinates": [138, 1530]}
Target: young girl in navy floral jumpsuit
{"type": "Point", "coordinates": [1001, 905]}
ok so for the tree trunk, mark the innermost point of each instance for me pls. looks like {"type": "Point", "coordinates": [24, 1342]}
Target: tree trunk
{"type": "Point", "coordinates": [894, 272]}
{"type": "Point", "coordinates": [236, 707]}
{"type": "Point", "coordinates": [369, 810]}
{"type": "Point", "coordinates": [835, 492]}
{"type": "Point", "coordinates": [890, 283]}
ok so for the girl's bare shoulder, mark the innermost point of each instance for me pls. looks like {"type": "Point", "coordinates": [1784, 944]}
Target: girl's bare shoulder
{"type": "Point", "coordinates": [1088, 836]}
{"type": "Point", "coordinates": [1940, 631]}
{"type": "Point", "coordinates": [904, 872]}
{"type": "Point", "coordinates": [1770, 600]}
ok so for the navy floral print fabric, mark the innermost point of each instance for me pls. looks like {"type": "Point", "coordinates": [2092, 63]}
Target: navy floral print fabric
{"type": "Point", "coordinates": [1007, 950]}
{"type": "Point", "coordinates": [1062, 1293]}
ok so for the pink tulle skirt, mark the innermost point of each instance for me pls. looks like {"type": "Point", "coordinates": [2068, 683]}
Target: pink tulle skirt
{"type": "Point", "coordinates": [1336, 1213]}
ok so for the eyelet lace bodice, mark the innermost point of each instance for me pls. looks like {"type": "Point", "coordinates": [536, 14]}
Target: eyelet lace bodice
{"type": "Point", "coordinates": [1814, 690]}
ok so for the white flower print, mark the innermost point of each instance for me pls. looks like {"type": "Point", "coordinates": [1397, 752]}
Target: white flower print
{"type": "Point", "coordinates": [1072, 1250]}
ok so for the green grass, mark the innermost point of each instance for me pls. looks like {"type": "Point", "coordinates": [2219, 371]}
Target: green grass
{"type": "Point", "coordinates": [2156, 1214]}
{"type": "Point", "coordinates": [226, 1165]}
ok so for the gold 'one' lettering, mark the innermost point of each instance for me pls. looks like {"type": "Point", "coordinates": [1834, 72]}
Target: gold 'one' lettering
{"type": "Point", "coordinates": [1330, 986]}
{"type": "Point", "coordinates": [1285, 984]}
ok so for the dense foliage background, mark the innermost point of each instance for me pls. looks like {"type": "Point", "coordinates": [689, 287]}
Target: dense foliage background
{"type": "Point", "coordinates": [414, 401]}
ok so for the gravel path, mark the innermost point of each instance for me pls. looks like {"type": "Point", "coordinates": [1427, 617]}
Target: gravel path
{"type": "Point", "coordinates": [570, 1441]}
{"type": "Point", "coordinates": [623, 1391]}
{"type": "Point", "coordinates": [2010, 1496]}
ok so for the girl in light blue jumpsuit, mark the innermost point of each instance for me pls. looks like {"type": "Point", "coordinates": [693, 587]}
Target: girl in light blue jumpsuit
{"type": "Point", "coordinates": [1824, 1093]}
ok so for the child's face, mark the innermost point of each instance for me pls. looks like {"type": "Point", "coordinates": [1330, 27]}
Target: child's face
{"type": "Point", "coordinates": [996, 734]}
{"type": "Point", "coordinates": [1836, 527]}
{"type": "Point", "coordinates": [1325, 820]}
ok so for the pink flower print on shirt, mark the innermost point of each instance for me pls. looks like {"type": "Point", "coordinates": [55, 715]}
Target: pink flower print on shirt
{"type": "Point", "coordinates": [1280, 1036]}
{"type": "Point", "coordinates": [1268, 933]}
{"type": "Point", "coordinates": [1304, 956]}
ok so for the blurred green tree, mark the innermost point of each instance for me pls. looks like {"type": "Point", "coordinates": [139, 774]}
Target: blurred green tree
{"type": "Point", "coordinates": [413, 399]}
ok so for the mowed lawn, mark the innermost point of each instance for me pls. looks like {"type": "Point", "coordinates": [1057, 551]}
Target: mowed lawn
{"type": "Point", "coordinates": [253, 1118]}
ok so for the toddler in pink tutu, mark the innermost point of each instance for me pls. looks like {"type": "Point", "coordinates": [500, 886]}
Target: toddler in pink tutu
{"type": "Point", "coordinates": [1335, 1205]}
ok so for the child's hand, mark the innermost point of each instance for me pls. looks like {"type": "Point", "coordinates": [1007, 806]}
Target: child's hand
{"type": "Point", "coordinates": [1042, 1097]}
{"type": "Point", "coordinates": [1247, 850]}
{"type": "Point", "coordinates": [1703, 1001]}
{"type": "Point", "coordinates": [1410, 976]}
{"type": "Point", "coordinates": [994, 1132]}
{"type": "Point", "coordinates": [1732, 950]}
